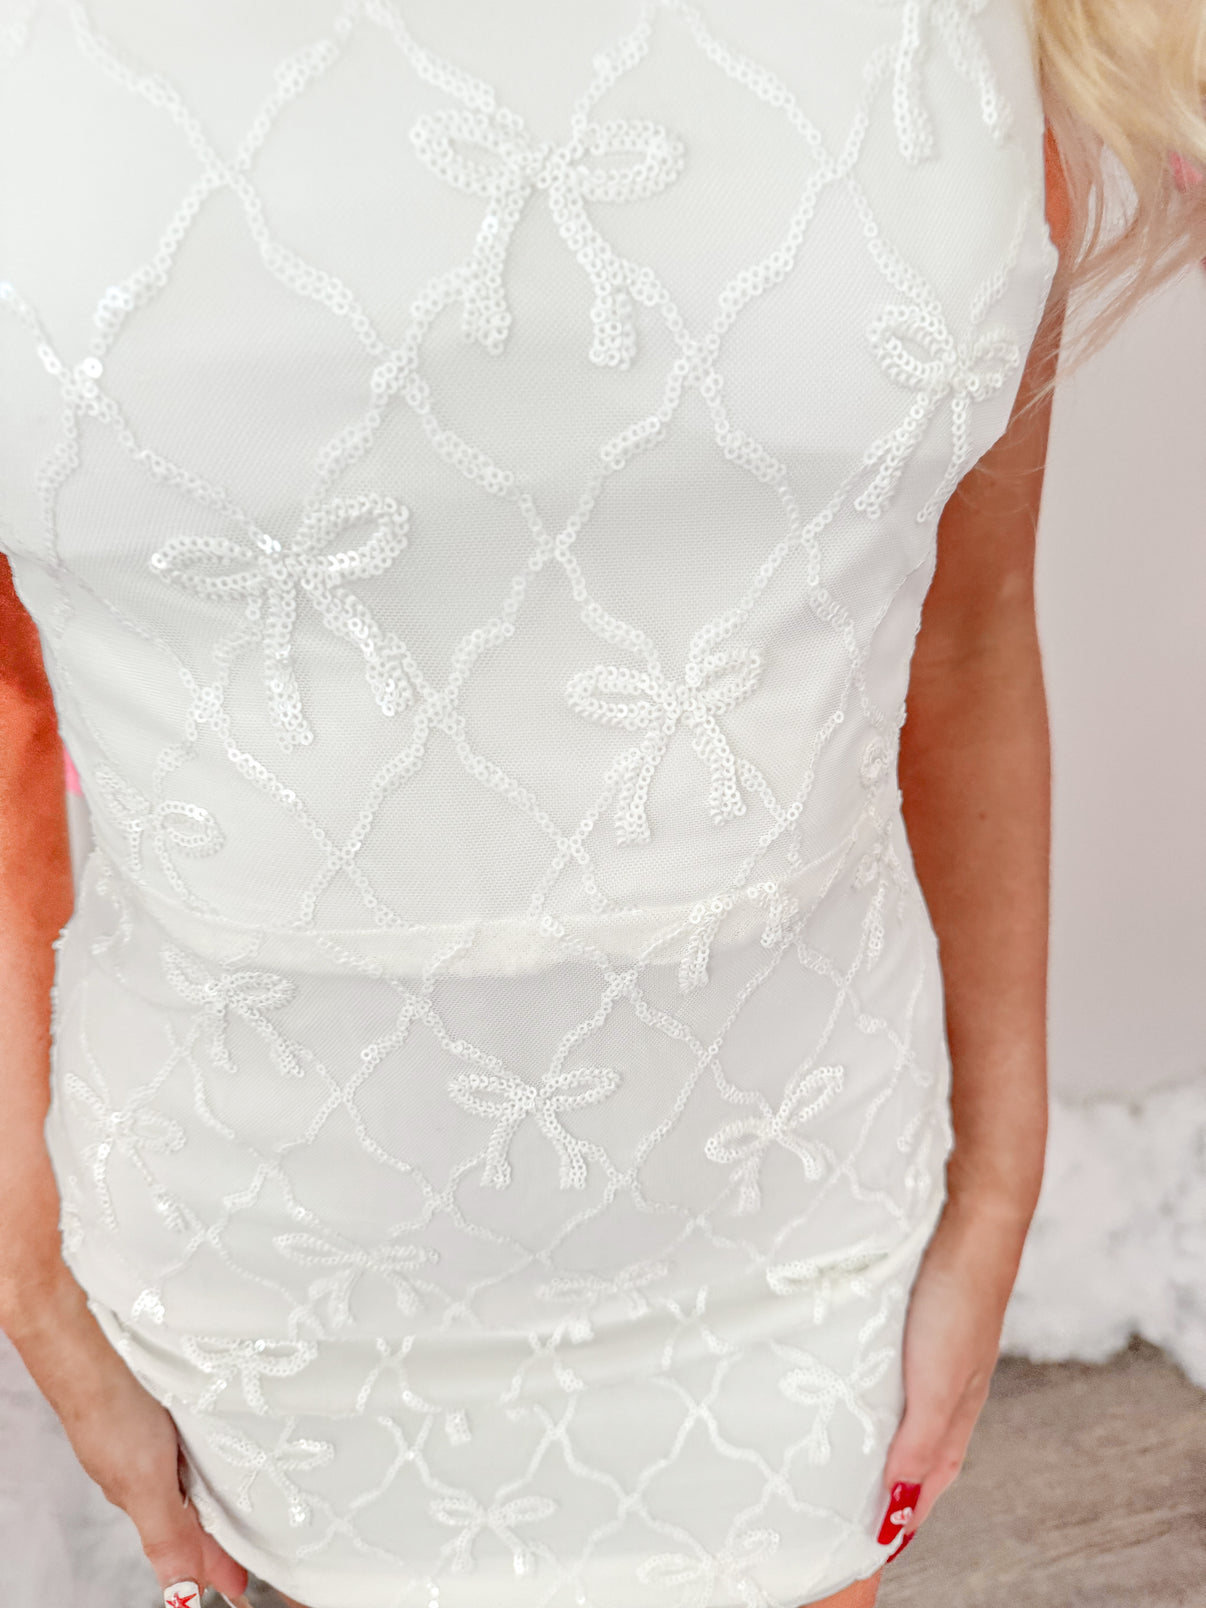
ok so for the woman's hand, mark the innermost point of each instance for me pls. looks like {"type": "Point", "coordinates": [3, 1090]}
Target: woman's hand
{"type": "Point", "coordinates": [952, 1336]}
{"type": "Point", "coordinates": [122, 1436]}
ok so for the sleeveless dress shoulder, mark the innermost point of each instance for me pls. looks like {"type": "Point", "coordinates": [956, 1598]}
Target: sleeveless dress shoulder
{"type": "Point", "coordinates": [475, 471]}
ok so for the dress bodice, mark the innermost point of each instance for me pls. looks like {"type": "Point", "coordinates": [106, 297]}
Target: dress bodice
{"type": "Point", "coordinates": [462, 478]}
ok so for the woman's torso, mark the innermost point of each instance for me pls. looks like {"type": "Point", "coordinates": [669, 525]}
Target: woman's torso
{"type": "Point", "coordinates": [481, 463]}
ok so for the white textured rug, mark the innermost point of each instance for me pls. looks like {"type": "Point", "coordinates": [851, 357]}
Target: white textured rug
{"type": "Point", "coordinates": [1118, 1244]}
{"type": "Point", "coordinates": [1118, 1247]}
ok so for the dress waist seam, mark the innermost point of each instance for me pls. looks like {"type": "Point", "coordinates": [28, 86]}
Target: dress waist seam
{"type": "Point", "coordinates": [681, 934]}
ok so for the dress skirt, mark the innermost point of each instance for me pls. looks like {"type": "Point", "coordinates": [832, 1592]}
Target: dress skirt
{"type": "Point", "coordinates": [559, 1287]}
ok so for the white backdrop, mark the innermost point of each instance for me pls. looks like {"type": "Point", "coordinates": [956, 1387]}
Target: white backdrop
{"type": "Point", "coordinates": [1118, 1245]}
{"type": "Point", "coordinates": [1122, 613]}
{"type": "Point", "coordinates": [1119, 1241]}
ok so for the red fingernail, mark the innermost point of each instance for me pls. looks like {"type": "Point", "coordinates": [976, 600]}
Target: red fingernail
{"type": "Point", "coordinates": [901, 1506]}
{"type": "Point", "coordinates": [184, 1594]}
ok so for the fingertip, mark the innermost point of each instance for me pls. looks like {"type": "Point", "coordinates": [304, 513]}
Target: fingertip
{"type": "Point", "coordinates": [906, 1468]}
{"type": "Point", "coordinates": [910, 1457]}
{"type": "Point", "coordinates": [224, 1573]}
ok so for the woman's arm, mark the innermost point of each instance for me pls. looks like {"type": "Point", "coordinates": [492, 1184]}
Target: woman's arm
{"type": "Point", "coordinates": [35, 901]}
{"type": "Point", "coordinates": [124, 1439]}
{"type": "Point", "coordinates": [975, 786]}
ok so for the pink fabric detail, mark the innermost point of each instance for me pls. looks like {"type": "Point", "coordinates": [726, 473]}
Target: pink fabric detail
{"type": "Point", "coordinates": [71, 775]}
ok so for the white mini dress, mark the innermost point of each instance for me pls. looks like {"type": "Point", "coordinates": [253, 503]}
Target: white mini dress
{"type": "Point", "coordinates": [475, 468]}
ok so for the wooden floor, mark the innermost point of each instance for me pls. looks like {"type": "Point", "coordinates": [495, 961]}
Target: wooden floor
{"type": "Point", "coordinates": [1085, 1488]}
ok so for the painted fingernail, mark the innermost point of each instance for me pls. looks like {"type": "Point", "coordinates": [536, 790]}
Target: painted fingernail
{"type": "Point", "coordinates": [184, 1594]}
{"type": "Point", "coordinates": [901, 1506]}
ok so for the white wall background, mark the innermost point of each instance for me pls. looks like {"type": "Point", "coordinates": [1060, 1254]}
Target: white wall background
{"type": "Point", "coordinates": [1122, 614]}
{"type": "Point", "coordinates": [1119, 1241]}
{"type": "Point", "coordinates": [1118, 1245]}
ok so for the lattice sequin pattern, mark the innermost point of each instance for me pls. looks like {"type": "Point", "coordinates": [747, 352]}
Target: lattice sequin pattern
{"type": "Point", "coordinates": [500, 1089]}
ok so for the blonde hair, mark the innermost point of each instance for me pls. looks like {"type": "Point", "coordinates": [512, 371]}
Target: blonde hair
{"type": "Point", "coordinates": [1123, 84]}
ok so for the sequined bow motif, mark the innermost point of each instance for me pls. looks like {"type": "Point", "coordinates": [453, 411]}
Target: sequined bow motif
{"type": "Point", "coordinates": [395, 1359]}
{"type": "Point", "coordinates": [714, 681]}
{"type": "Point", "coordinates": [129, 1131]}
{"type": "Point", "coordinates": [934, 366]}
{"type": "Point", "coordinates": [815, 1384]}
{"type": "Point", "coordinates": [248, 1361]}
{"type": "Point", "coordinates": [747, 1141]}
{"type": "Point", "coordinates": [246, 994]}
{"type": "Point", "coordinates": [587, 1291]}
{"type": "Point", "coordinates": [71, 1214]}
{"type": "Point", "coordinates": [782, 911]}
{"type": "Point", "coordinates": [823, 1277]}
{"type": "Point", "coordinates": [493, 156]}
{"type": "Point", "coordinates": [170, 823]}
{"type": "Point", "coordinates": [953, 21]}
{"type": "Point", "coordinates": [510, 1100]}
{"type": "Point", "coordinates": [288, 1456]}
{"type": "Point", "coordinates": [880, 865]}
{"type": "Point", "coordinates": [272, 578]}
{"type": "Point", "coordinates": [345, 1264]}
{"type": "Point", "coordinates": [470, 1518]}
{"type": "Point", "coordinates": [702, 1578]}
